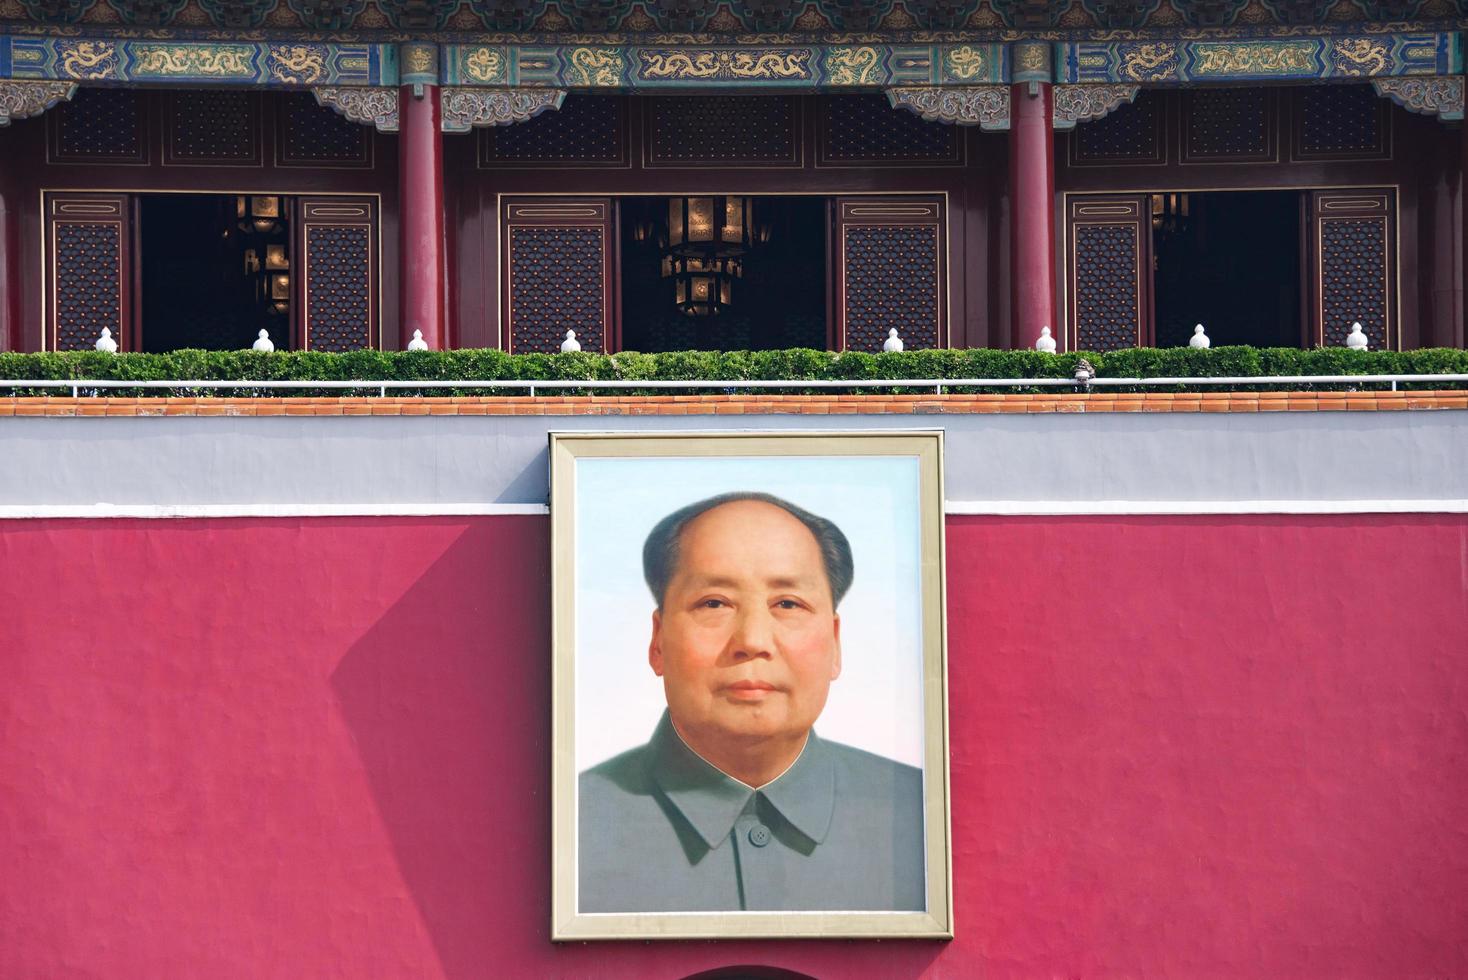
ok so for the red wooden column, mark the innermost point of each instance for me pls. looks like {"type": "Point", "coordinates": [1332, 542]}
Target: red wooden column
{"type": "Point", "coordinates": [1459, 336]}
{"type": "Point", "coordinates": [10, 315]}
{"type": "Point", "coordinates": [1032, 195]}
{"type": "Point", "coordinates": [421, 259]}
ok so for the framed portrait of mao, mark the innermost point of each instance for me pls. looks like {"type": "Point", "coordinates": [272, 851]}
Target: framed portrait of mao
{"type": "Point", "coordinates": [750, 705]}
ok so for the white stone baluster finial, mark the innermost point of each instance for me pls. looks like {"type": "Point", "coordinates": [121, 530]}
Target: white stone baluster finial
{"type": "Point", "coordinates": [893, 342]}
{"type": "Point", "coordinates": [262, 343]}
{"type": "Point", "coordinates": [1199, 339]}
{"type": "Point", "coordinates": [570, 344]}
{"type": "Point", "coordinates": [1356, 339]}
{"type": "Point", "coordinates": [105, 343]}
{"type": "Point", "coordinates": [417, 343]}
{"type": "Point", "coordinates": [1046, 343]}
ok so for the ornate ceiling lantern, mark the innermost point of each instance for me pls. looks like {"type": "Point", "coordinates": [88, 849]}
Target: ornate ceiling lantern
{"type": "Point", "coordinates": [1170, 213]}
{"type": "Point", "coordinates": [260, 216]}
{"type": "Point", "coordinates": [709, 227]}
{"type": "Point", "coordinates": [706, 237]}
{"type": "Point", "coordinates": [702, 287]}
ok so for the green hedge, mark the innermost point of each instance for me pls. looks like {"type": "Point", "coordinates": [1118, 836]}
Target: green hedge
{"type": "Point", "coordinates": [494, 365]}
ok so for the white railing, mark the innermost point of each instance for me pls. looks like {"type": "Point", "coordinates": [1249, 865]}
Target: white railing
{"type": "Point", "coordinates": [93, 388]}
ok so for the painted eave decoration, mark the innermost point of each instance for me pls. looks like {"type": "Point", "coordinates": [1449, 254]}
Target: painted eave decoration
{"type": "Point", "coordinates": [827, 66]}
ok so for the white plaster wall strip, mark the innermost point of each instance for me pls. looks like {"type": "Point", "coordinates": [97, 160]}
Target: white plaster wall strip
{"type": "Point", "coordinates": [14, 511]}
{"type": "Point", "coordinates": [991, 508]}
{"type": "Point", "coordinates": [1161, 508]}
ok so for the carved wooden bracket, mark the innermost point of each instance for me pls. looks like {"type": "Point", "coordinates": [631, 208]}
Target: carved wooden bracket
{"type": "Point", "coordinates": [1438, 95]}
{"type": "Point", "coordinates": [1073, 104]}
{"type": "Point", "coordinates": [21, 100]}
{"type": "Point", "coordinates": [465, 108]}
{"type": "Point", "coordinates": [376, 107]}
{"type": "Point", "coordinates": [985, 106]}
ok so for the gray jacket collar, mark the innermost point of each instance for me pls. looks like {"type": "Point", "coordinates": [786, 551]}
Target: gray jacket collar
{"type": "Point", "coordinates": [710, 800]}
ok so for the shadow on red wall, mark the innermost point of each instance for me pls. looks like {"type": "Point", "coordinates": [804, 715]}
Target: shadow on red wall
{"type": "Point", "coordinates": [447, 699]}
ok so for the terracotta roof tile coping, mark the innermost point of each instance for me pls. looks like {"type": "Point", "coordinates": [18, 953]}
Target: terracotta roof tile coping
{"type": "Point", "coordinates": [755, 404]}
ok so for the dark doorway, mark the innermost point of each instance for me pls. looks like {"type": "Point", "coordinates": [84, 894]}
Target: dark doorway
{"type": "Point", "coordinates": [214, 270]}
{"type": "Point", "coordinates": [1230, 261]}
{"type": "Point", "coordinates": [778, 301]}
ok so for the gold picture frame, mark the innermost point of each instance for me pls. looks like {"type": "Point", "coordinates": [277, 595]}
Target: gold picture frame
{"type": "Point", "coordinates": [645, 873]}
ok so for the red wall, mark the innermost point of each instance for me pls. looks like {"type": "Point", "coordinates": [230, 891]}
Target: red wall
{"type": "Point", "coordinates": [309, 747]}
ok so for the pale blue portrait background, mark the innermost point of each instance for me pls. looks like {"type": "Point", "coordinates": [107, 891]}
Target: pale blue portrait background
{"type": "Point", "coordinates": [876, 703]}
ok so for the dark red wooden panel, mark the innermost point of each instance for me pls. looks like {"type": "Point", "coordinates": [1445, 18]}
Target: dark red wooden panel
{"type": "Point", "coordinates": [1109, 271]}
{"type": "Point", "coordinates": [336, 245]}
{"type": "Point", "coordinates": [558, 273]}
{"type": "Point", "coordinates": [890, 272]}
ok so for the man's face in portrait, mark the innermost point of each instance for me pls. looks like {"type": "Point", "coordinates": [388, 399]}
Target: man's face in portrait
{"type": "Point", "coordinates": [747, 641]}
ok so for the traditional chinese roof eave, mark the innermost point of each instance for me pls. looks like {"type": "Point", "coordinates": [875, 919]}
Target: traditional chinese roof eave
{"type": "Point", "coordinates": [996, 35]}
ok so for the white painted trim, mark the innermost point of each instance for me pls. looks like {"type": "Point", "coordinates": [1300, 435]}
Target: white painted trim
{"type": "Point", "coordinates": [993, 508]}
{"type": "Point", "coordinates": [1170, 507]}
{"type": "Point", "coordinates": [14, 511]}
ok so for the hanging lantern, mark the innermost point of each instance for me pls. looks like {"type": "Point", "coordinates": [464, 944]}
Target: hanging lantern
{"type": "Point", "coordinates": [1169, 212]}
{"type": "Point", "coordinates": [258, 215]}
{"type": "Point", "coordinates": [709, 226]}
{"type": "Point", "coordinates": [703, 287]}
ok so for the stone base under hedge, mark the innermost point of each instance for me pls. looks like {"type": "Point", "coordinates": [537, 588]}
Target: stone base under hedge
{"type": "Point", "coordinates": [1249, 401]}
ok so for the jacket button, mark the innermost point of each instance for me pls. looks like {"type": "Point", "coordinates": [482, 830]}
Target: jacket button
{"type": "Point", "coordinates": [759, 835]}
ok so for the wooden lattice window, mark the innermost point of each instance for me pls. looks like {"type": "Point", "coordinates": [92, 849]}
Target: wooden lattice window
{"type": "Point", "coordinates": [1109, 271]}
{"type": "Point", "coordinates": [211, 127]}
{"type": "Point", "coordinates": [89, 270]}
{"type": "Point", "coordinates": [336, 275]}
{"type": "Point", "coordinates": [730, 130]}
{"type": "Point", "coordinates": [99, 125]}
{"type": "Point", "coordinates": [1229, 125]}
{"type": "Point", "coordinates": [587, 131]}
{"type": "Point", "coordinates": [311, 135]}
{"type": "Point", "coordinates": [1341, 122]}
{"type": "Point", "coordinates": [890, 272]}
{"type": "Point", "coordinates": [1353, 246]}
{"type": "Point", "coordinates": [557, 273]}
{"type": "Point", "coordinates": [1129, 134]}
{"type": "Point", "coordinates": [865, 130]}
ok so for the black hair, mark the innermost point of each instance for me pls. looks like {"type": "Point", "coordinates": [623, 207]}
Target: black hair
{"type": "Point", "coordinates": [660, 551]}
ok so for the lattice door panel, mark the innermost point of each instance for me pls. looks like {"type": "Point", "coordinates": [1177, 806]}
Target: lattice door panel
{"type": "Point", "coordinates": [557, 273]}
{"type": "Point", "coordinates": [336, 260]}
{"type": "Point", "coordinates": [89, 269]}
{"type": "Point", "coordinates": [890, 272]}
{"type": "Point", "coordinates": [1109, 272]}
{"type": "Point", "coordinates": [1353, 264]}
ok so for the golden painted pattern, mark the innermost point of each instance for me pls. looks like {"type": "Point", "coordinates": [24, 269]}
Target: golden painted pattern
{"type": "Point", "coordinates": [419, 59]}
{"type": "Point", "coordinates": [1032, 57]}
{"type": "Point", "coordinates": [853, 66]}
{"type": "Point", "coordinates": [193, 60]}
{"type": "Point", "coordinates": [88, 59]}
{"type": "Point", "coordinates": [965, 63]}
{"type": "Point", "coordinates": [596, 67]}
{"type": "Point", "coordinates": [678, 65]}
{"type": "Point", "coordinates": [297, 64]}
{"type": "Point", "coordinates": [1255, 59]}
{"type": "Point", "coordinates": [485, 65]}
{"type": "Point", "coordinates": [1359, 56]}
{"type": "Point", "coordinates": [1150, 62]}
